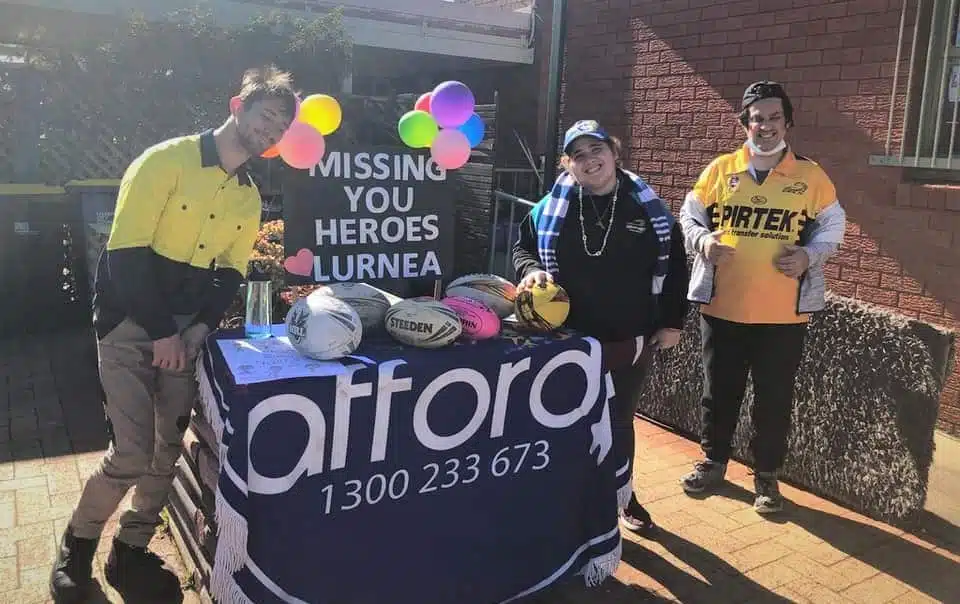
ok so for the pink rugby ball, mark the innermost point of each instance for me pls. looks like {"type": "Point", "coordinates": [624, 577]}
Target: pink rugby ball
{"type": "Point", "coordinates": [479, 320]}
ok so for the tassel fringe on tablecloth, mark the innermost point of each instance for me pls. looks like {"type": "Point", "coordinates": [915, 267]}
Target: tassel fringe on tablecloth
{"type": "Point", "coordinates": [231, 552]}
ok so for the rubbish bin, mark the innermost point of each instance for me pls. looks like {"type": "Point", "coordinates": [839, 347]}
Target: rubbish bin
{"type": "Point", "coordinates": [97, 200]}
{"type": "Point", "coordinates": [39, 264]}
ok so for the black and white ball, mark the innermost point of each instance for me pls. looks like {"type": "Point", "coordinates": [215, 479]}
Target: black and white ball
{"type": "Point", "coordinates": [370, 303]}
{"type": "Point", "coordinates": [323, 327]}
{"type": "Point", "coordinates": [492, 290]}
{"type": "Point", "coordinates": [423, 323]}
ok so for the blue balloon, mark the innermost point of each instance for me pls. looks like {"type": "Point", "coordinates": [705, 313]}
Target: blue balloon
{"type": "Point", "coordinates": [473, 129]}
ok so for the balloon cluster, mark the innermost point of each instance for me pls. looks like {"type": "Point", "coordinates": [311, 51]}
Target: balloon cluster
{"type": "Point", "coordinates": [444, 120]}
{"type": "Point", "coordinates": [302, 145]}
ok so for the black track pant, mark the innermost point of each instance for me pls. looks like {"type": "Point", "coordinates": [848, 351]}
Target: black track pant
{"type": "Point", "coordinates": [627, 382]}
{"type": "Point", "coordinates": [772, 354]}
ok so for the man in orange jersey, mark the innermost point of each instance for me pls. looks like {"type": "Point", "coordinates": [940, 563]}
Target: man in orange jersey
{"type": "Point", "coordinates": [760, 223]}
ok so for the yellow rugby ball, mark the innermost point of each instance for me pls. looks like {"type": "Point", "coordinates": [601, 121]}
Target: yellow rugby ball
{"type": "Point", "coordinates": [542, 308]}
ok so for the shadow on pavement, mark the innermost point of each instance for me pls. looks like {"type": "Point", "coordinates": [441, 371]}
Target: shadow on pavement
{"type": "Point", "coordinates": [55, 400]}
{"type": "Point", "coordinates": [719, 577]}
{"type": "Point", "coordinates": [902, 557]}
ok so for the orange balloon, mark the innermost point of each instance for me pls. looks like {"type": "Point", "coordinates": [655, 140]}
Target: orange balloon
{"type": "Point", "coordinates": [272, 152]}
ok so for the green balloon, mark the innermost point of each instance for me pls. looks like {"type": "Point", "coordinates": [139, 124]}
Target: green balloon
{"type": "Point", "coordinates": [417, 129]}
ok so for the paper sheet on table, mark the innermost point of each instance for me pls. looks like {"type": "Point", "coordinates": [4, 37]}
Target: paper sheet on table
{"type": "Point", "coordinates": [254, 361]}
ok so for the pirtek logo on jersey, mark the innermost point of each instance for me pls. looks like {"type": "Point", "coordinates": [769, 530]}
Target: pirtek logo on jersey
{"type": "Point", "coordinates": [760, 219]}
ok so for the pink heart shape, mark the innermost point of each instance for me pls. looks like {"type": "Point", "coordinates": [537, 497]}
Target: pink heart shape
{"type": "Point", "coordinates": [301, 264]}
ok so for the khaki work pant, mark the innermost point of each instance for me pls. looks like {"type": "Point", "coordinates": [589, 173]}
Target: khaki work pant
{"type": "Point", "coordinates": [149, 409]}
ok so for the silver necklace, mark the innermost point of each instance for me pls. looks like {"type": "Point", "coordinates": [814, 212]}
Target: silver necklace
{"type": "Point", "coordinates": [600, 217]}
{"type": "Point", "coordinates": [606, 233]}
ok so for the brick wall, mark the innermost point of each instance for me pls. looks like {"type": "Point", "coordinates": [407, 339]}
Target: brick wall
{"type": "Point", "coordinates": [667, 74]}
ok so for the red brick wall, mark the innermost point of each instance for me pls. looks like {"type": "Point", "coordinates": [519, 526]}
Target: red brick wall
{"type": "Point", "coordinates": [668, 74]}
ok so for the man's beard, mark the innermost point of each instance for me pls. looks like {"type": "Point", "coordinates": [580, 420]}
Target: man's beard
{"type": "Point", "coordinates": [251, 145]}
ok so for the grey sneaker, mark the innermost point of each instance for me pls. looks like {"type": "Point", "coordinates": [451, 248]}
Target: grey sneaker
{"type": "Point", "coordinates": [768, 498]}
{"type": "Point", "coordinates": [705, 474]}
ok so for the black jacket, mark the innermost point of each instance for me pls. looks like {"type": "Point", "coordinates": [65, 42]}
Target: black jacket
{"type": "Point", "coordinates": [610, 295]}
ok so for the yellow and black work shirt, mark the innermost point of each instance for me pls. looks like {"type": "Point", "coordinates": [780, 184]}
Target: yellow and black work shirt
{"type": "Point", "coordinates": [183, 231]}
{"type": "Point", "coordinates": [760, 218]}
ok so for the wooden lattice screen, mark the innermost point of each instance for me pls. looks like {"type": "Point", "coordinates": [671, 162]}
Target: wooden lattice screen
{"type": "Point", "coordinates": [84, 107]}
{"type": "Point", "coordinates": [56, 127]}
{"type": "Point", "coordinates": [51, 133]}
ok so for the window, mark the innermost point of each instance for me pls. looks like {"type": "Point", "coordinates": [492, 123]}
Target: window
{"type": "Point", "coordinates": [922, 127]}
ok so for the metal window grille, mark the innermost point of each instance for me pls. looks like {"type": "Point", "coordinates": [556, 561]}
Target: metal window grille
{"type": "Point", "coordinates": [925, 97]}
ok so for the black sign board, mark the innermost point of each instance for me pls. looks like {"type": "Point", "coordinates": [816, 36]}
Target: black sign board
{"type": "Point", "coordinates": [382, 215]}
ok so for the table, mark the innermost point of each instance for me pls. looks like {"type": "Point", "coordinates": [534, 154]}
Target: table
{"type": "Point", "coordinates": [478, 473]}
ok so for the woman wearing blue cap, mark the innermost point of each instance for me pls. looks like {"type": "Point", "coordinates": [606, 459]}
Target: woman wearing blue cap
{"type": "Point", "coordinates": [606, 237]}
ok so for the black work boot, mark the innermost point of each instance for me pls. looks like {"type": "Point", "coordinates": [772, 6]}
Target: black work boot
{"type": "Point", "coordinates": [139, 576]}
{"type": "Point", "coordinates": [72, 572]}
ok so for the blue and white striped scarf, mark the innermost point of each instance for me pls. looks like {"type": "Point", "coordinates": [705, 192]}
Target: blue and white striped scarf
{"type": "Point", "coordinates": [549, 213]}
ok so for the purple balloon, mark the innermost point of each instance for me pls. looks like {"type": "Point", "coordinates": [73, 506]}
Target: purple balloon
{"type": "Point", "coordinates": [452, 104]}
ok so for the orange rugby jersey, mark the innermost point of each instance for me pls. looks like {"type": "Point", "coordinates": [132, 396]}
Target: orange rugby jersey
{"type": "Point", "coordinates": [759, 220]}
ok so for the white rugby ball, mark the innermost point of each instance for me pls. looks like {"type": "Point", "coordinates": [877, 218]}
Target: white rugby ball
{"type": "Point", "coordinates": [370, 303]}
{"type": "Point", "coordinates": [422, 323]}
{"type": "Point", "coordinates": [323, 327]}
{"type": "Point", "coordinates": [492, 290]}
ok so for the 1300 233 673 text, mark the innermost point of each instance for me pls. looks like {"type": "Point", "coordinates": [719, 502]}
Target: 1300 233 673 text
{"type": "Point", "coordinates": [435, 477]}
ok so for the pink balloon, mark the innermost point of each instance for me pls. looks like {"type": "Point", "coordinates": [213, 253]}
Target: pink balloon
{"type": "Point", "coordinates": [450, 149]}
{"type": "Point", "coordinates": [296, 114]}
{"type": "Point", "coordinates": [302, 147]}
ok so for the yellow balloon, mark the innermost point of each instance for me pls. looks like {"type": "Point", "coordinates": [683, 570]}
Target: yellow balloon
{"type": "Point", "coordinates": [321, 111]}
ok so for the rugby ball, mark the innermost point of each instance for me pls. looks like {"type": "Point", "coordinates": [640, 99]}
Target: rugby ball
{"type": "Point", "coordinates": [478, 320]}
{"type": "Point", "coordinates": [323, 327]}
{"type": "Point", "coordinates": [422, 323]}
{"type": "Point", "coordinates": [492, 290]}
{"type": "Point", "coordinates": [542, 308]}
{"type": "Point", "coordinates": [370, 303]}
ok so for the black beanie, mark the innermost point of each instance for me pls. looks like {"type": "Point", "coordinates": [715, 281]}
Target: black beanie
{"type": "Point", "coordinates": [766, 89]}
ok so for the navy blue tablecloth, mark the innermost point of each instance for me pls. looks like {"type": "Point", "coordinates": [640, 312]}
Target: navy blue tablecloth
{"type": "Point", "coordinates": [473, 474]}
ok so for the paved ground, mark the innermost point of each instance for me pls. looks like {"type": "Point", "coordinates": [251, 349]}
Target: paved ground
{"type": "Point", "coordinates": [943, 495]}
{"type": "Point", "coordinates": [52, 434]}
{"type": "Point", "coordinates": [713, 549]}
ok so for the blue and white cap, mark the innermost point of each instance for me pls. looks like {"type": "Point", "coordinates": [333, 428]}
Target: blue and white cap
{"type": "Point", "coordinates": [584, 128]}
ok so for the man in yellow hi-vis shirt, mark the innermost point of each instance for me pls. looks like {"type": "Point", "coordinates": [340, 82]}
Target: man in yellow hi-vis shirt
{"type": "Point", "coordinates": [760, 223]}
{"type": "Point", "coordinates": [186, 219]}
